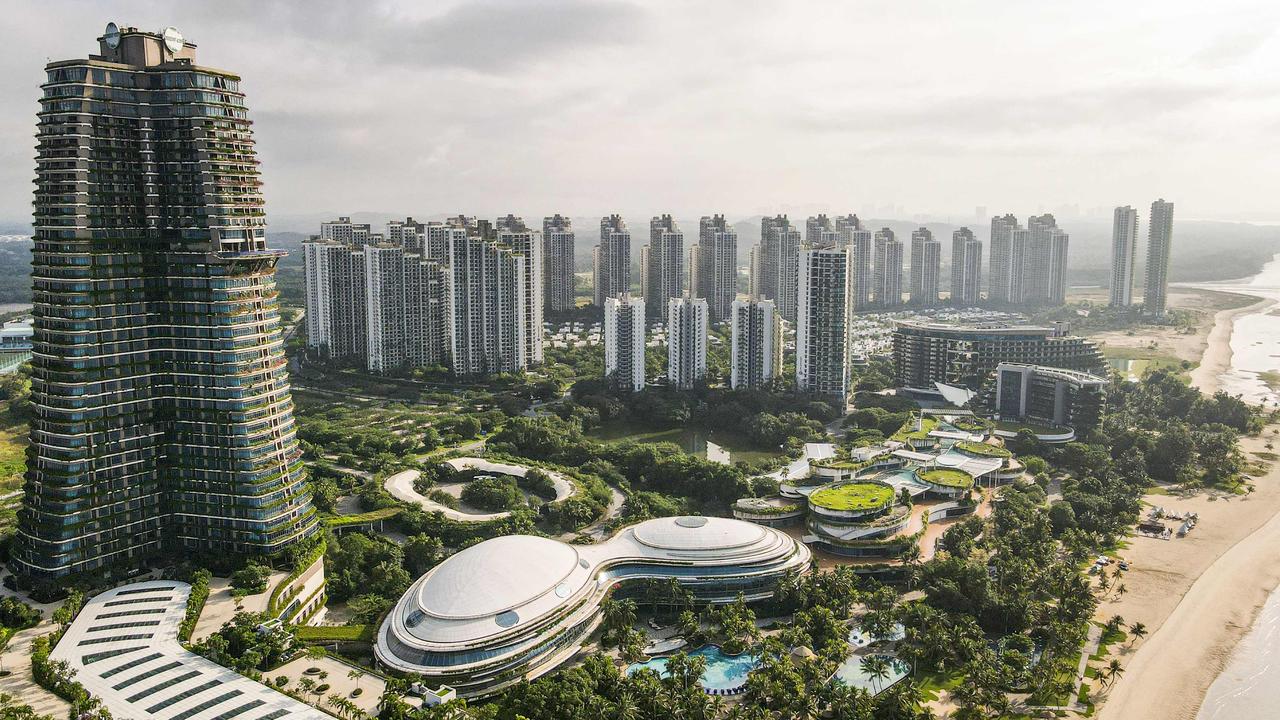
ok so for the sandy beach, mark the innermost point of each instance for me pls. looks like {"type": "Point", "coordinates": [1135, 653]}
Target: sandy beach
{"type": "Point", "coordinates": [1216, 359]}
{"type": "Point", "coordinates": [1200, 594]}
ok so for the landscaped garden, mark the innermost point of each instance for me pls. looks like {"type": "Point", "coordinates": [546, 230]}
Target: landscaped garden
{"type": "Point", "coordinates": [983, 449]}
{"type": "Point", "coordinates": [853, 496]}
{"type": "Point", "coordinates": [947, 477]}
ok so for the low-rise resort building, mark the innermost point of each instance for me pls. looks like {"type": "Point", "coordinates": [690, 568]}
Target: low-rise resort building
{"type": "Point", "coordinates": [875, 502]}
{"type": "Point", "coordinates": [516, 607]}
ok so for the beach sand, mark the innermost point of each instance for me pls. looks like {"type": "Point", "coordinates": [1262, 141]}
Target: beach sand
{"type": "Point", "coordinates": [1196, 595]}
{"type": "Point", "coordinates": [1217, 351]}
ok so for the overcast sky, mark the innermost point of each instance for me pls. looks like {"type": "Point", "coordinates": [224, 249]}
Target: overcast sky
{"type": "Point", "coordinates": [740, 106]}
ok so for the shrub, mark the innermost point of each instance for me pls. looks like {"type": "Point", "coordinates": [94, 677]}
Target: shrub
{"type": "Point", "coordinates": [251, 579]}
{"type": "Point", "coordinates": [493, 494]}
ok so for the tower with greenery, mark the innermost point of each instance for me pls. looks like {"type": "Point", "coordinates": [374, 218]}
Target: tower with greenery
{"type": "Point", "coordinates": [162, 416]}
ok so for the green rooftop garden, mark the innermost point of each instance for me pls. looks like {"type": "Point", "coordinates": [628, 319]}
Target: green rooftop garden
{"type": "Point", "coordinates": [1037, 428]}
{"type": "Point", "coordinates": [908, 430]}
{"type": "Point", "coordinates": [947, 477]}
{"type": "Point", "coordinates": [983, 449]}
{"type": "Point", "coordinates": [853, 496]}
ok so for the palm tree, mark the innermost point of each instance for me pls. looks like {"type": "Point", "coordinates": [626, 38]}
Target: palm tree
{"type": "Point", "coordinates": [624, 708]}
{"type": "Point", "coordinates": [355, 675]}
{"type": "Point", "coordinates": [1136, 632]}
{"type": "Point", "coordinates": [306, 685]}
{"type": "Point", "coordinates": [877, 668]}
{"type": "Point", "coordinates": [1114, 671]}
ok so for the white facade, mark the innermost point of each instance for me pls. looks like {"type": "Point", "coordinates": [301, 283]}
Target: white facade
{"type": "Point", "coordinates": [756, 343]}
{"type": "Point", "coordinates": [385, 304]}
{"type": "Point", "coordinates": [612, 269]}
{"type": "Point", "coordinates": [624, 343]}
{"type": "Point", "coordinates": [822, 347]}
{"type": "Point", "coordinates": [966, 268]}
{"type": "Point", "coordinates": [1159, 247]}
{"type": "Point", "coordinates": [1008, 248]}
{"type": "Point", "coordinates": [557, 263]}
{"type": "Point", "coordinates": [686, 342]}
{"type": "Point", "coordinates": [663, 264]}
{"type": "Point", "coordinates": [1124, 252]}
{"type": "Point", "coordinates": [717, 269]}
{"type": "Point", "coordinates": [526, 243]}
{"type": "Point", "coordinates": [888, 269]}
{"type": "Point", "coordinates": [776, 264]}
{"type": "Point", "coordinates": [488, 298]}
{"type": "Point", "coordinates": [926, 268]}
{"type": "Point", "coordinates": [315, 261]}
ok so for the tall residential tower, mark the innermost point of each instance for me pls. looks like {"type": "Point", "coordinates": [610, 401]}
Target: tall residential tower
{"type": "Point", "coordinates": [1159, 248]}
{"type": "Point", "coordinates": [612, 266]}
{"type": "Point", "coordinates": [162, 416]}
{"type": "Point", "coordinates": [557, 263]}
{"type": "Point", "coordinates": [1124, 251]}
{"type": "Point", "coordinates": [926, 267]}
{"type": "Point", "coordinates": [664, 268]}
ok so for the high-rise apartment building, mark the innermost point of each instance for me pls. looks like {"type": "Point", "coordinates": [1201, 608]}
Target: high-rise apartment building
{"type": "Point", "coordinates": [687, 342]}
{"type": "Point", "coordinates": [404, 308]}
{"type": "Point", "coordinates": [526, 244]}
{"type": "Point", "coordinates": [1008, 260]}
{"type": "Point", "coordinates": [926, 268]}
{"type": "Point", "coordinates": [775, 265]}
{"type": "Point", "coordinates": [162, 415]}
{"type": "Point", "coordinates": [1045, 276]}
{"type": "Point", "coordinates": [624, 343]}
{"type": "Point", "coordinates": [346, 232]}
{"type": "Point", "coordinates": [717, 269]}
{"type": "Point", "coordinates": [819, 230]}
{"type": "Point", "coordinates": [665, 265]}
{"type": "Point", "coordinates": [488, 305]}
{"type": "Point", "coordinates": [822, 347]}
{"type": "Point", "coordinates": [408, 234]}
{"type": "Point", "coordinates": [755, 355]}
{"type": "Point", "coordinates": [966, 268]}
{"type": "Point", "coordinates": [860, 245]}
{"type": "Point", "coordinates": [888, 269]}
{"type": "Point", "coordinates": [612, 271]}
{"type": "Point", "coordinates": [1159, 248]}
{"type": "Point", "coordinates": [557, 263]}
{"type": "Point", "coordinates": [1124, 253]}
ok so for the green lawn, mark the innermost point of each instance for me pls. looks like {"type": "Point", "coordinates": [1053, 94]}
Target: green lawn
{"type": "Point", "coordinates": [948, 477]}
{"type": "Point", "coordinates": [334, 633]}
{"type": "Point", "coordinates": [983, 449]}
{"type": "Point", "coordinates": [13, 458]}
{"type": "Point", "coordinates": [853, 496]}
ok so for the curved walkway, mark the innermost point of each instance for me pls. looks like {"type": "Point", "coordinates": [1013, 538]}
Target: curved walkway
{"type": "Point", "coordinates": [400, 485]}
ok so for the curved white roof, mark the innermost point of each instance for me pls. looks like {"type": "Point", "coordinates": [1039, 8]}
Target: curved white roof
{"type": "Point", "coordinates": [697, 533]}
{"type": "Point", "coordinates": [495, 576]}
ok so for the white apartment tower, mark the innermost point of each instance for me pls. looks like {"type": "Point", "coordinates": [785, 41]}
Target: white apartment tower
{"type": "Point", "coordinates": [966, 268]}
{"type": "Point", "coordinates": [335, 300]}
{"type": "Point", "coordinates": [665, 267]}
{"type": "Point", "coordinates": [926, 268]}
{"type": "Point", "coordinates": [1124, 253]}
{"type": "Point", "coordinates": [527, 244]}
{"type": "Point", "coordinates": [1008, 260]}
{"type": "Point", "coordinates": [1159, 248]}
{"type": "Point", "coordinates": [1045, 276]}
{"type": "Point", "coordinates": [488, 305]}
{"type": "Point", "coordinates": [385, 303]}
{"type": "Point", "coordinates": [861, 248]}
{"type": "Point", "coordinates": [624, 343]}
{"type": "Point", "coordinates": [717, 271]}
{"type": "Point", "coordinates": [557, 263]}
{"type": "Point", "coordinates": [686, 342]}
{"type": "Point", "coordinates": [344, 231]}
{"type": "Point", "coordinates": [776, 264]}
{"type": "Point", "coordinates": [755, 355]}
{"type": "Point", "coordinates": [612, 267]}
{"type": "Point", "coordinates": [888, 269]}
{"type": "Point", "coordinates": [822, 321]}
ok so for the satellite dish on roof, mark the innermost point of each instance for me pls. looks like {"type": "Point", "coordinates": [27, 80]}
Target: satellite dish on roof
{"type": "Point", "coordinates": [172, 39]}
{"type": "Point", "coordinates": [111, 36]}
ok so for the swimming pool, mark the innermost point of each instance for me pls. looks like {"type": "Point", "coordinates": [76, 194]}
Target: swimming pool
{"type": "Point", "coordinates": [854, 673]}
{"type": "Point", "coordinates": [724, 673]}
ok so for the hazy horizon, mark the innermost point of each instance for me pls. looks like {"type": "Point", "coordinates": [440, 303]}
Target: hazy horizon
{"type": "Point", "coordinates": [933, 108]}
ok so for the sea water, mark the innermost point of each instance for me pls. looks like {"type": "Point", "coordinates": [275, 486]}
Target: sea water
{"type": "Point", "coordinates": [1255, 336]}
{"type": "Point", "coordinates": [1249, 686]}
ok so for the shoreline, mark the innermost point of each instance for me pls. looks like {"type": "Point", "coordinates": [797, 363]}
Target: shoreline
{"type": "Point", "coordinates": [1200, 595]}
{"type": "Point", "coordinates": [1216, 361]}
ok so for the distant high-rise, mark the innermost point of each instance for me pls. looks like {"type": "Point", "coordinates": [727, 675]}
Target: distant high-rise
{"type": "Point", "coordinates": [624, 343]}
{"type": "Point", "coordinates": [926, 268]}
{"type": "Point", "coordinates": [860, 244]}
{"type": "Point", "coordinates": [1159, 248]}
{"type": "Point", "coordinates": [346, 232]}
{"type": "Point", "coordinates": [888, 269]}
{"type": "Point", "coordinates": [1008, 260]}
{"type": "Point", "coordinates": [966, 268]}
{"type": "Point", "coordinates": [612, 270]}
{"type": "Point", "coordinates": [408, 234]}
{"type": "Point", "coordinates": [822, 347]}
{"type": "Point", "coordinates": [557, 263]}
{"type": "Point", "coordinates": [755, 354]}
{"type": "Point", "coordinates": [819, 230]}
{"type": "Point", "coordinates": [1124, 251]}
{"type": "Point", "coordinates": [776, 264]}
{"type": "Point", "coordinates": [161, 410]}
{"type": "Point", "coordinates": [665, 268]}
{"type": "Point", "coordinates": [488, 305]}
{"type": "Point", "coordinates": [526, 243]}
{"type": "Point", "coordinates": [686, 342]}
{"type": "Point", "coordinates": [717, 272]}
{"type": "Point", "coordinates": [1045, 277]}
{"type": "Point", "coordinates": [404, 308]}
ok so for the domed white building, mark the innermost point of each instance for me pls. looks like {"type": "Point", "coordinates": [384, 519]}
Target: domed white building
{"type": "Point", "coordinates": [516, 607]}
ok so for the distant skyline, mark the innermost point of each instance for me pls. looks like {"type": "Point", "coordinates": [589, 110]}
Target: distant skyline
{"type": "Point", "coordinates": [745, 108]}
